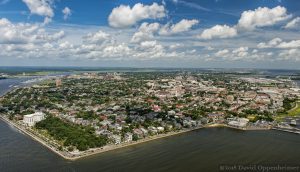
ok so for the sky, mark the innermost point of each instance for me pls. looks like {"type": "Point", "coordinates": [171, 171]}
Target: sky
{"type": "Point", "coordinates": [151, 33]}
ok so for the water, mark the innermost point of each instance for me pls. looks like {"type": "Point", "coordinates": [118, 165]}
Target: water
{"type": "Point", "coordinates": [201, 150]}
{"type": "Point", "coordinates": [8, 84]}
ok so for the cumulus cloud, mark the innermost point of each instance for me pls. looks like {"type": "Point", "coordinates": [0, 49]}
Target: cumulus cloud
{"type": "Point", "coordinates": [291, 44]}
{"type": "Point", "coordinates": [262, 16]}
{"type": "Point", "coordinates": [97, 38]}
{"type": "Point", "coordinates": [249, 20]}
{"type": "Point", "coordinates": [145, 32]}
{"type": "Point", "coordinates": [22, 33]}
{"type": "Point", "coordinates": [153, 49]}
{"type": "Point", "coordinates": [222, 53]}
{"type": "Point", "coordinates": [183, 26]}
{"type": "Point", "coordinates": [279, 43]}
{"type": "Point", "coordinates": [272, 43]}
{"type": "Point", "coordinates": [25, 40]}
{"type": "Point", "coordinates": [240, 52]}
{"type": "Point", "coordinates": [292, 54]}
{"type": "Point", "coordinates": [243, 53]}
{"type": "Point", "coordinates": [218, 31]}
{"type": "Point", "coordinates": [125, 16]}
{"type": "Point", "coordinates": [119, 50]}
{"type": "Point", "coordinates": [40, 7]}
{"type": "Point", "coordinates": [293, 24]}
{"type": "Point", "coordinates": [67, 12]}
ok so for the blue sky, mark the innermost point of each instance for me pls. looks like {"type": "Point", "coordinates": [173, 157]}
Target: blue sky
{"type": "Point", "coordinates": [161, 33]}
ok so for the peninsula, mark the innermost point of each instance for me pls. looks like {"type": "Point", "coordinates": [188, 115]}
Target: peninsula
{"type": "Point", "coordinates": [83, 114]}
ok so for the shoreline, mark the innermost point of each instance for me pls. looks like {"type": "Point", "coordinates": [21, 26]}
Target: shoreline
{"type": "Point", "coordinates": [92, 151]}
{"type": "Point", "coordinates": [111, 147]}
{"type": "Point", "coordinates": [34, 137]}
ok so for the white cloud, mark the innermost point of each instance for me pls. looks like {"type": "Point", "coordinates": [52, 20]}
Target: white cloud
{"type": "Point", "coordinates": [292, 54]}
{"type": "Point", "coordinates": [291, 44]}
{"type": "Point", "coordinates": [4, 22]}
{"type": "Point", "coordinates": [295, 23]}
{"type": "Point", "coordinates": [40, 7]}
{"type": "Point", "coordinates": [124, 16]}
{"type": "Point", "coordinates": [176, 45]}
{"type": "Point", "coordinates": [218, 31]}
{"type": "Point", "coordinates": [119, 50]}
{"type": "Point", "coordinates": [150, 44]}
{"type": "Point", "coordinates": [25, 40]}
{"type": "Point", "coordinates": [262, 16]}
{"type": "Point", "coordinates": [183, 26]}
{"type": "Point", "coordinates": [209, 48]}
{"type": "Point", "coordinates": [145, 32]}
{"type": "Point", "coordinates": [99, 38]}
{"type": "Point", "coordinates": [278, 43]}
{"type": "Point", "coordinates": [222, 53]}
{"type": "Point", "coordinates": [67, 12]}
{"type": "Point", "coordinates": [240, 52]}
{"type": "Point", "coordinates": [272, 43]}
{"type": "Point", "coordinates": [153, 49]}
{"type": "Point", "coordinates": [23, 33]}
{"type": "Point", "coordinates": [47, 20]}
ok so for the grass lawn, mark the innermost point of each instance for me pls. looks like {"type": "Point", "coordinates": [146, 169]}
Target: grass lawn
{"type": "Point", "coordinates": [295, 111]}
{"type": "Point", "coordinates": [251, 117]}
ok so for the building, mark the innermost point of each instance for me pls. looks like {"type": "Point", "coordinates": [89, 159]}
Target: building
{"type": "Point", "coordinates": [58, 82]}
{"type": "Point", "coordinates": [138, 132]}
{"type": "Point", "coordinates": [116, 139]}
{"type": "Point", "coordinates": [31, 119]}
{"type": "Point", "coordinates": [239, 123]}
{"type": "Point", "coordinates": [128, 137]}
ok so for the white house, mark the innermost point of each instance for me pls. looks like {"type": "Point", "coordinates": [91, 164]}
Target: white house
{"type": "Point", "coordinates": [116, 139]}
{"type": "Point", "coordinates": [31, 119]}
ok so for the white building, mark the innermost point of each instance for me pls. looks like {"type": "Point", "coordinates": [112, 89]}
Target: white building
{"type": "Point", "coordinates": [31, 119]}
{"type": "Point", "coordinates": [239, 123]}
{"type": "Point", "coordinates": [116, 139]}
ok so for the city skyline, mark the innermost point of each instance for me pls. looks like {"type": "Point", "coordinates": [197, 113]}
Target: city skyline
{"type": "Point", "coordinates": [168, 33]}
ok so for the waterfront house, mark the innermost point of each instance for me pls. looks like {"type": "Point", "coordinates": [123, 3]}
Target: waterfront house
{"type": "Point", "coordinates": [128, 137]}
{"type": "Point", "coordinates": [116, 139]}
{"type": "Point", "coordinates": [239, 122]}
{"type": "Point", "coordinates": [32, 119]}
{"type": "Point", "coordinates": [138, 132]}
